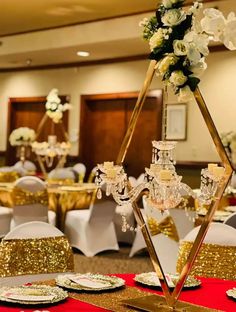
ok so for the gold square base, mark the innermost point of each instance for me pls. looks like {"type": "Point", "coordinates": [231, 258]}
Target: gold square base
{"type": "Point", "coordinates": [155, 303]}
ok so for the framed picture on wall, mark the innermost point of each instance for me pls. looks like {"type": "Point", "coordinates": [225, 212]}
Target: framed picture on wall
{"type": "Point", "coordinates": [176, 122]}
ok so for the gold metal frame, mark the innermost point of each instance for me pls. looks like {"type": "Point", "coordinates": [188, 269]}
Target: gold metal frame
{"type": "Point", "coordinates": [172, 296]}
{"type": "Point", "coordinates": [62, 161]}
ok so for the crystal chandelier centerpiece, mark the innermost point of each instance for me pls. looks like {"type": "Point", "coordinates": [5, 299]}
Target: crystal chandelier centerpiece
{"type": "Point", "coordinates": [165, 187]}
{"type": "Point", "coordinates": [50, 150]}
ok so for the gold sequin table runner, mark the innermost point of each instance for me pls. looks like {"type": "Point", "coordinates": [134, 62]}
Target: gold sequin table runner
{"type": "Point", "coordinates": [113, 300]}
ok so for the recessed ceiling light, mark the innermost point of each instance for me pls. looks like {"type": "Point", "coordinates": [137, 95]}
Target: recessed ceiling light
{"type": "Point", "coordinates": [83, 53]}
{"type": "Point", "coordinates": [28, 62]}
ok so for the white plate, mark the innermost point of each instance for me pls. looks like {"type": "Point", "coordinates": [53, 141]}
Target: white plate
{"type": "Point", "coordinates": [89, 282]}
{"type": "Point", "coordinates": [151, 279]}
{"type": "Point", "coordinates": [33, 294]}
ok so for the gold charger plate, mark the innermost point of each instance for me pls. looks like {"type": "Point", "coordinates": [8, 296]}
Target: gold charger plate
{"type": "Point", "coordinates": [32, 294]}
{"type": "Point", "coordinates": [231, 293]}
{"type": "Point", "coordinates": [89, 282]}
{"type": "Point", "coordinates": [151, 279]}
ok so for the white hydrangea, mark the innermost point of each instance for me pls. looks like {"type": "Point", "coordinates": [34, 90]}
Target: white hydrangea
{"type": "Point", "coordinates": [21, 136]}
{"type": "Point", "coordinates": [157, 40]}
{"type": "Point", "coordinates": [54, 108]}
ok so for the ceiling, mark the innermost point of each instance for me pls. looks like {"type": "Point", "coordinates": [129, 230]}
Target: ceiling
{"type": "Point", "coordinates": [33, 20]}
{"type": "Point", "coordinates": [19, 16]}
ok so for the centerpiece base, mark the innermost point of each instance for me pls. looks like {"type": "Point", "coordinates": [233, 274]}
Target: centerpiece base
{"type": "Point", "coordinates": [155, 303]}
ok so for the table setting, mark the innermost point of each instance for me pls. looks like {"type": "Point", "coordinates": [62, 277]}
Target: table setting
{"type": "Point", "coordinates": [99, 292]}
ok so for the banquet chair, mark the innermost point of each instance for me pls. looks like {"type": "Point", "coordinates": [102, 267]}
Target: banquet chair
{"type": "Point", "coordinates": [166, 247]}
{"type": "Point", "coordinates": [92, 175]}
{"type": "Point", "coordinates": [231, 220]}
{"type": "Point", "coordinates": [31, 202]}
{"type": "Point", "coordinates": [92, 230]}
{"type": "Point", "coordinates": [5, 220]}
{"type": "Point", "coordinates": [9, 174]}
{"type": "Point", "coordinates": [80, 169]}
{"type": "Point", "coordinates": [34, 251]}
{"type": "Point", "coordinates": [27, 166]}
{"type": "Point", "coordinates": [217, 253]}
{"type": "Point", "coordinates": [63, 175]}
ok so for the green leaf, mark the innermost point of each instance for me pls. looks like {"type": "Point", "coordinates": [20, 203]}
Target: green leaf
{"type": "Point", "coordinates": [193, 82]}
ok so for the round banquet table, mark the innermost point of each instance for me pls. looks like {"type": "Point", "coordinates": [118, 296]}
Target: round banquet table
{"type": "Point", "coordinates": [211, 294]}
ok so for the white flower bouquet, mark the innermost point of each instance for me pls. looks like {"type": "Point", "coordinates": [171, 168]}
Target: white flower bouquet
{"type": "Point", "coordinates": [22, 136]}
{"type": "Point", "coordinates": [229, 141]}
{"type": "Point", "coordinates": [179, 42]}
{"type": "Point", "coordinates": [54, 108]}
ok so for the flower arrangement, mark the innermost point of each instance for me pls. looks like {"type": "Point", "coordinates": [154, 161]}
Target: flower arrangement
{"type": "Point", "coordinates": [22, 136]}
{"type": "Point", "coordinates": [179, 42]}
{"type": "Point", "coordinates": [54, 108]}
{"type": "Point", "coordinates": [229, 141]}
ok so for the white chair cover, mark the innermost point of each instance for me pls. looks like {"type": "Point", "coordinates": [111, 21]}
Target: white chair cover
{"type": "Point", "coordinates": [32, 212]}
{"type": "Point", "coordinates": [27, 165]}
{"type": "Point", "coordinates": [218, 233]}
{"type": "Point", "coordinates": [7, 169]}
{"type": "Point", "coordinates": [167, 248]}
{"type": "Point", "coordinates": [92, 230]}
{"type": "Point", "coordinates": [34, 230]}
{"type": "Point", "coordinates": [80, 168]}
{"type": "Point", "coordinates": [216, 257]}
{"type": "Point", "coordinates": [61, 174]}
{"type": "Point", "coordinates": [231, 220]}
{"type": "Point", "coordinates": [5, 220]}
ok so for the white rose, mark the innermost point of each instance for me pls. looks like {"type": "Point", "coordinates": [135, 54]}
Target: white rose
{"type": "Point", "coordinates": [213, 23]}
{"type": "Point", "coordinates": [173, 17]}
{"type": "Point", "coordinates": [60, 107]}
{"type": "Point", "coordinates": [54, 106]}
{"type": "Point", "coordinates": [165, 63]}
{"type": "Point", "coordinates": [53, 96]}
{"type": "Point", "coordinates": [156, 41]}
{"type": "Point", "coordinates": [199, 68]}
{"type": "Point", "coordinates": [185, 94]}
{"type": "Point", "coordinates": [180, 47]}
{"type": "Point", "coordinates": [56, 116]}
{"type": "Point", "coordinates": [48, 105]}
{"type": "Point", "coordinates": [229, 33]}
{"type": "Point", "coordinates": [178, 78]}
{"type": "Point", "coordinates": [169, 3]}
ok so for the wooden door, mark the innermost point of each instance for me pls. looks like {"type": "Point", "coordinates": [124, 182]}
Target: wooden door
{"type": "Point", "coordinates": [104, 121]}
{"type": "Point", "coordinates": [28, 112]}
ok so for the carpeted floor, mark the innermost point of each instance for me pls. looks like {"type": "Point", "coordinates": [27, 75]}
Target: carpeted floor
{"type": "Point", "coordinates": [113, 262]}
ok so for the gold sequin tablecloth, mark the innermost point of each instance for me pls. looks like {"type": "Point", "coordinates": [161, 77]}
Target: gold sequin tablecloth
{"type": "Point", "coordinates": [60, 198]}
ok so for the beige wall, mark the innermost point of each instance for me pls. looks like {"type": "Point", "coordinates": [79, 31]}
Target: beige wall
{"type": "Point", "coordinates": [217, 85]}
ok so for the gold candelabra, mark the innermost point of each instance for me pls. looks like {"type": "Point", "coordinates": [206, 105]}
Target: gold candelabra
{"type": "Point", "coordinates": [171, 301]}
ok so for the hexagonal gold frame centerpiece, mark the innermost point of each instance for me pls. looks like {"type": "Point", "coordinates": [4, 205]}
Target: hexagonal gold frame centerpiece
{"type": "Point", "coordinates": [169, 55]}
{"type": "Point", "coordinates": [156, 302]}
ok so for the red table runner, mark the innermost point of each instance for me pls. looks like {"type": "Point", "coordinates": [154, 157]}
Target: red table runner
{"type": "Point", "coordinates": [211, 294]}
